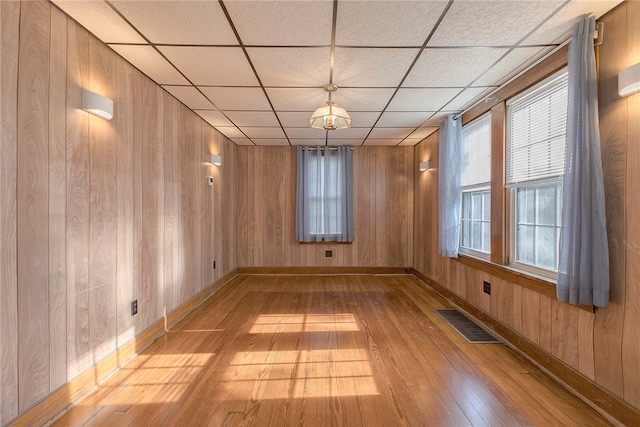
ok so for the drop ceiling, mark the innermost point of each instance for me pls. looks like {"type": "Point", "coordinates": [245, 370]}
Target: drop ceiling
{"type": "Point", "coordinates": [255, 70]}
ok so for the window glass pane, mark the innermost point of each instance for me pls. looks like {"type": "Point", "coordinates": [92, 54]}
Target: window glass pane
{"type": "Point", "coordinates": [486, 203]}
{"type": "Point", "coordinates": [476, 203]}
{"type": "Point", "coordinates": [486, 236]}
{"type": "Point", "coordinates": [546, 250]}
{"type": "Point", "coordinates": [525, 244]}
{"type": "Point", "coordinates": [526, 206]}
{"type": "Point", "coordinates": [476, 229]}
{"type": "Point", "coordinates": [546, 206]}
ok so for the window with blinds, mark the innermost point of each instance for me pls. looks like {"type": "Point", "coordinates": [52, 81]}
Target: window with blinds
{"type": "Point", "coordinates": [536, 135]}
{"type": "Point", "coordinates": [475, 236]}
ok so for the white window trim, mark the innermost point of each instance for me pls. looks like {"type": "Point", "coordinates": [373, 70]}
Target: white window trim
{"type": "Point", "coordinates": [465, 249]}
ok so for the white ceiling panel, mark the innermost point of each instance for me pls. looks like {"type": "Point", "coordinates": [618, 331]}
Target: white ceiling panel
{"type": "Point", "coordinates": [410, 141]}
{"type": "Point", "coordinates": [396, 119]}
{"type": "Point", "coordinates": [435, 120]}
{"type": "Point", "coordinates": [263, 132]}
{"type": "Point", "coordinates": [514, 62]}
{"type": "Point", "coordinates": [291, 67]}
{"type": "Point", "coordinates": [253, 118]}
{"type": "Point", "coordinates": [295, 119]}
{"type": "Point", "coordinates": [101, 20]}
{"type": "Point", "coordinates": [467, 98]}
{"type": "Point", "coordinates": [433, 68]}
{"type": "Point", "coordinates": [421, 99]}
{"type": "Point", "coordinates": [214, 118]}
{"type": "Point", "coordinates": [297, 99]}
{"type": "Point", "coordinates": [237, 98]}
{"type": "Point", "coordinates": [386, 23]}
{"type": "Point", "coordinates": [298, 133]}
{"type": "Point", "coordinates": [367, 67]}
{"type": "Point", "coordinates": [351, 133]}
{"type": "Point", "coordinates": [491, 23]}
{"type": "Point", "coordinates": [422, 132]}
{"type": "Point", "coordinates": [243, 141]}
{"type": "Point", "coordinates": [338, 140]}
{"type": "Point", "coordinates": [363, 119]}
{"type": "Point", "coordinates": [310, 142]}
{"type": "Point", "coordinates": [231, 132]}
{"type": "Point", "coordinates": [179, 22]}
{"type": "Point", "coordinates": [383, 141]}
{"type": "Point", "coordinates": [212, 66]}
{"type": "Point", "coordinates": [377, 132]}
{"type": "Point", "coordinates": [189, 96]}
{"type": "Point", "coordinates": [271, 141]}
{"type": "Point", "coordinates": [559, 27]}
{"type": "Point", "coordinates": [307, 23]}
{"type": "Point", "coordinates": [354, 99]}
{"type": "Point", "coordinates": [149, 61]}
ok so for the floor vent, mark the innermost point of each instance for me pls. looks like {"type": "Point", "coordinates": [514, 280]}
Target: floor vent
{"type": "Point", "coordinates": [467, 327]}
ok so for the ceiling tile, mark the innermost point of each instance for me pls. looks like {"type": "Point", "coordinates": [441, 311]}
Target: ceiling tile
{"type": "Point", "coordinates": [253, 118]}
{"type": "Point", "coordinates": [367, 67]}
{"type": "Point", "coordinates": [434, 121]}
{"type": "Point", "coordinates": [377, 133]}
{"type": "Point", "coordinates": [242, 141]}
{"type": "Point", "coordinates": [350, 133]}
{"type": "Point", "coordinates": [292, 67]}
{"type": "Point", "coordinates": [263, 132]}
{"type": "Point", "coordinates": [271, 141]}
{"type": "Point", "coordinates": [410, 141]}
{"type": "Point", "coordinates": [467, 98]}
{"type": "Point", "coordinates": [422, 132]}
{"type": "Point", "coordinates": [214, 118]}
{"type": "Point", "coordinates": [403, 119]}
{"type": "Point", "coordinates": [149, 61]}
{"type": "Point", "coordinates": [237, 98]}
{"type": "Point", "coordinates": [515, 61]}
{"type": "Point", "coordinates": [490, 23]}
{"type": "Point", "coordinates": [231, 132]}
{"type": "Point", "coordinates": [296, 99]}
{"type": "Point", "coordinates": [307, 23]}
{"type": "Point", "coordinates": [189, 96]}
{"type": "Point", "coordinates": [435, 67]}
{"type": "Point", "coordinates": [363, 119]}
{"type": "Point", "coordinates": [383, 141]}
{"type": "Point", "coordinates": [559, 27]}
{"type": "Point", "coordinates": [310, 142]}
{"type": "Point", "coordinates": [212, 66]}
{"type": "Point", "coordinates": [421, 99]}
{"type": "Point", "coordinates": [298, 133]}
{"type": "Point", "coordinates": [179, 22]}
{"type": "Point", "coordinates": [338, 140]}
{"type": "Point", "coordinates": [386, 23]}
{"type": "Point", "coordinates": [355, 99]}
{"type": "Point", "coordinates": [101, 20]}
{"type": "Point", "coordinates": [294, 119]}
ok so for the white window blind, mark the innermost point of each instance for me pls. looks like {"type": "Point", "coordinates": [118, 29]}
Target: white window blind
{"type": "Point", "coordinates": [536, 132]}
{"type": "Point", "coordinates": [476, 152]}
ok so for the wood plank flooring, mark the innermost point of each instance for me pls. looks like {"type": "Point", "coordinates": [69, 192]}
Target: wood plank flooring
{"type": "Point", "coordinates": [358, 350]}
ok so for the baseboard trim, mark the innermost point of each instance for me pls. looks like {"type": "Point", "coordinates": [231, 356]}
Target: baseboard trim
{"type": "Point", "coordinates": [60, 400]}
{"type": "Point", "coordinates": [322, 270]}
{"type": "Point", "coordinates": [597, 396]}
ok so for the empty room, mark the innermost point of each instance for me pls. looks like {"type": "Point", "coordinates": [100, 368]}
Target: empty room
{"type": "Point", "coordinates": [320, 213]}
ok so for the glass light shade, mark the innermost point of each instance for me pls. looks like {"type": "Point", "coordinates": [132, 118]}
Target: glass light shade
{"type": "Point", "coordinates": [330, 116]}
{"type": "Point", "coordinates": [629, 80]}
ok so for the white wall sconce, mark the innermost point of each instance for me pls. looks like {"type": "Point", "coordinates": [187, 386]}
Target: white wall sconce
{"type": "Point", "coordinates": [424, 166]}
{"type": "Point", "coordinates": [216, 160]}
{"type": "Point", "coordinates": [96, 104]}
{"type": "Point", "coordinates": [629, 80]}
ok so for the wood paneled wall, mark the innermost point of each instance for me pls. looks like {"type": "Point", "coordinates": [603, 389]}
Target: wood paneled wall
{"type": "Point", "coordinates": [605, 346]}
{"type": "Point", "coordinates": [95, 213]}
{"type": "Point", "coordinates": [383, 210]}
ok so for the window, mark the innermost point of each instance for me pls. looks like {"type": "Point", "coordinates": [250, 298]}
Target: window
{"type": "Point", "coordinates": [536, 134]}
{"type": "Point", "coordinates": [324, 206]}
{"type": "Point", "coordinates": [475, 236]}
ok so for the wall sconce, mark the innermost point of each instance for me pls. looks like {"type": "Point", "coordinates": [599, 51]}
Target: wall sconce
{"type": "Point", "coordinates": [424, 166]}
{"type": "Point", "coordinates": [216, 160]}
{"type": "Point", "coordinates": [629, 80]}
{"type": "Point", "coordinates": [96, 104]}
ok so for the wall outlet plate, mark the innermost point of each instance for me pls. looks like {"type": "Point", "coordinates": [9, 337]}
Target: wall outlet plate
{"type": "Point", "coordinates": [134, 307]}
{"type": "Point", "coordinates": [486, 287]}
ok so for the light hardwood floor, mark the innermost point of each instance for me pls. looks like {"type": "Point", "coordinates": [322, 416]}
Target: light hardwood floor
{"type": "Point", "coordinates": [358, 350]}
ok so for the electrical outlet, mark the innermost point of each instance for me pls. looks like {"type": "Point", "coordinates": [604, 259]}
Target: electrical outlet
{"type": "Point", "coordinates": [214, 265]}
{"type": "Point", "coordinates": [486, 287]}
{"type": "Point", "coordinates": [134, 307]}
{"type": "Point", "coordinates": [328, 254]}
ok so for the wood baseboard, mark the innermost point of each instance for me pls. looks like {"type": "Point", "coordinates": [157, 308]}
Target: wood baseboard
{"type": "Point", "coordinates": [575, 381]}
{"type": "Point", "coordinates": [322, 270]}
{"type": "Point", "coordinates": [61, 399]}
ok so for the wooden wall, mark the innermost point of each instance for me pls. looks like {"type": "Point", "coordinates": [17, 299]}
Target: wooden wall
{"type": "Point", "coordinates": [95, 213]}
{"type": "Point", "coordinates": [605, 346]}
{"type": "Point", "coordinates": [383, 210]}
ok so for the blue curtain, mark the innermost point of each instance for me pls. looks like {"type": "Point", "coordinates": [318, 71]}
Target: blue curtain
{"type": "Point", "coordinates": [324, 195]}
{"type": "Point", "coordinates": [583, 267]}
{"type": "Point", "coordinates": [449, 186]}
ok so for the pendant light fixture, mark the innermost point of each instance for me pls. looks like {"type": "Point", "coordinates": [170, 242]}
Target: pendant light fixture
{"type": "Point", "coordinates": [330, 115]}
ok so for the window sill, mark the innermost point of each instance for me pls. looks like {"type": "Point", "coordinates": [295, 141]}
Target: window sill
{"type": "Point", "coordinates": [537, 284]}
